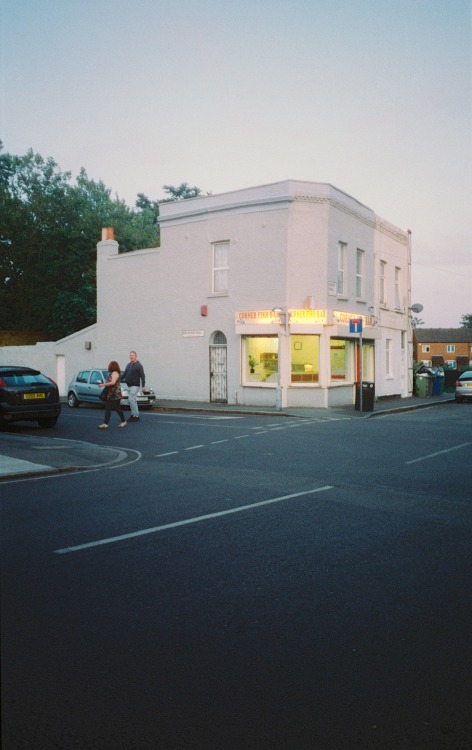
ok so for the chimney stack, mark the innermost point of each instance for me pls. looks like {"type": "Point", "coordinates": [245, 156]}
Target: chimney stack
{"type": "Point", "coordinates": [108, 233]}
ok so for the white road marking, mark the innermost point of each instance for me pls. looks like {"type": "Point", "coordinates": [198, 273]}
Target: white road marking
{"type": "Point", "coordinates": [257, 430]}
{"type": "Point", "coordinates": [439, 453]}
{"type": "Point", "coordinates": [188, 521]}
{"type": "Point", "coordinates": [49, 447]}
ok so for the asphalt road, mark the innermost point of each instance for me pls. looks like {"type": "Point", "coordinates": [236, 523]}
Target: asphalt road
{"type": "Point", "coordinates": [250, 582]}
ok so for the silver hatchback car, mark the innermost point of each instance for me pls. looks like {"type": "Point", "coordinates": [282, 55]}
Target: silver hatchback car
{"type": "Point", "coordinates": [464, 386]}
{"type": "Point", "coordinates": [85, 388]}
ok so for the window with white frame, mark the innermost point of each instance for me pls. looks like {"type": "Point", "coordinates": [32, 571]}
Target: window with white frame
{"type": "Point", "coordinates": [342, 263]}
{"type": "Point", "coordinates": [220, 272]}
{"type": "Point", "coordinates": [260, 360]}
{"type": "Point", "coordinates": [383, 268]}
{"type": "Point", "coordinates": [451, 348]}
{"type": "Point", "coordinates": [388, 358]}
{"type": "Point", "coordinates": [397, 288]}
{"type": "Point", "coordinates": [339, 359]}
{"type": "Point", "coordinates": [360, 274]}
{"type": "Point", "coordinates": [425, 348]}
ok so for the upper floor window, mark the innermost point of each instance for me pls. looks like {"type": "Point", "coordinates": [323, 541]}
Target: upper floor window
{"type": "Point", "coordinates": [383, 269]}
{"type": "Point", "coordinates": [397, 288]}
{"type": "Point", "coordinates": [360, 274]}
{"type": "Point", "coordinates": [342, 262]}
{"type": "Point", "coordinates": [451, 348]}
{"type": "Point", "coordinates": [220, 281]}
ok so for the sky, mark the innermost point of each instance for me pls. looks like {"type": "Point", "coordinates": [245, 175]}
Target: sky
{"type": "Point", "coordinates": [371, 96]}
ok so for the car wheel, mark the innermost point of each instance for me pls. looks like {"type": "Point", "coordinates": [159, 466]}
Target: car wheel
{"type": "Point", "coordinates": [47, 422]}
{"type": "Point", "coordinates": [72, 400]}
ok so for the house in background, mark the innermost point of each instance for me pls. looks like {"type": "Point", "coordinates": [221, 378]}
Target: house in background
{"type": "Point", "coordinates": [443, 347]}
{"type": "Point", "coordinates": [250, 300]}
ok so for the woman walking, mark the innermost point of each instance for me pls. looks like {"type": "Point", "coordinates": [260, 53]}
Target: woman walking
{"type": "Point", "coordinates": [113, 396]}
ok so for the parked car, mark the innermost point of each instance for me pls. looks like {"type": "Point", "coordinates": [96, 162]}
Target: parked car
{"type": "Point", "coordinates": [27, 394]}
{"type": "Point", "coordinates": [145, 398]}
{"type": "Point", "coordinates": [464, 386]}
{"type": "Point", "coordinates": [84, 388]}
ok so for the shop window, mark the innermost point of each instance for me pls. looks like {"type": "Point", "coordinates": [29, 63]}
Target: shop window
{"type": "Point", "coordinates": [260, 360]}
{"type": "Point", "coordinates": [305, 358]}
{"type": "Point", "coordinates": [338, 357]}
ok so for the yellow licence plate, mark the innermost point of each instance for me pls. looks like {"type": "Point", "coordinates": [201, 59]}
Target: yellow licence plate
{"type": "Point", "coordinates": [33, 395]}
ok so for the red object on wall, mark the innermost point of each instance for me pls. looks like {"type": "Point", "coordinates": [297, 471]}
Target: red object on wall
{"type": "Point", "coordinates": [204, 310]}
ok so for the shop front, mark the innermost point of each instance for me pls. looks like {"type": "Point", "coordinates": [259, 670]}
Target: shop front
{"type": "Point", "coordinates": [307, 357]}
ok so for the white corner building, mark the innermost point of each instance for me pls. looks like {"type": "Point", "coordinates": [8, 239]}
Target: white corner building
{"type": "Point", "coordinates": [254, 297]}
{"type": "Point", "coordinates": [261, 297]}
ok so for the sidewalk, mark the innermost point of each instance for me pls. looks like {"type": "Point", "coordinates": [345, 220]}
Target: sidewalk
{"type": "Point", "coordinates": [381, 407]}
{"type": "Point", "coordinates": [35, 455]}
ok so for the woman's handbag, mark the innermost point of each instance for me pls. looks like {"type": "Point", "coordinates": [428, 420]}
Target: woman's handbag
{"type": "Point", "coordinates": [103, 394]}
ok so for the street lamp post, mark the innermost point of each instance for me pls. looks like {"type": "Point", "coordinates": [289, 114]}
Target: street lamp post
{"type": "Point", "coordinates": [283, 315]}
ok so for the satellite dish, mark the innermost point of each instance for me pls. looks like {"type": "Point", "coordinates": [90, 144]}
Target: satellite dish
{"type": "Point", "coordinates": [416, 308]}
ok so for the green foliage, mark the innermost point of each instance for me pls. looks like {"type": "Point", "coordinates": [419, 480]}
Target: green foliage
{"type": "Point", "coordinates": [182, 192]}
{"type": "Point", "coordinates": [49, 228]}
{"type": "Point", "coordinates": [466, 321]}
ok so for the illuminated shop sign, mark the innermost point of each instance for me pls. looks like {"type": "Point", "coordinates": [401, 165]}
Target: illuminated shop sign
{"type": "Point", "coordinates": [307, 317]}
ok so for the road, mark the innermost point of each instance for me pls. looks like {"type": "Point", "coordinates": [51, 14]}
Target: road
{"type": "Point", "coordinates": [250, 583]}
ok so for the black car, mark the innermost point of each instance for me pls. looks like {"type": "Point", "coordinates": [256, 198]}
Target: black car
{"type": "Point", "coordinates": [26, 394]}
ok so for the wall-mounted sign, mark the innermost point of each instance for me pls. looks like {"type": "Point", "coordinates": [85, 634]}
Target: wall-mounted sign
{"type": "Point", "coordinates": [257, 316]}
{"type": "Point", "coordinates": [188, 334]}
{"type": "Point", "coordinates": [307, 317]}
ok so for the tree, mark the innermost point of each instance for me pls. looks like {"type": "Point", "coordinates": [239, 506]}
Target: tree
{"type": "Point", "coordinates": [416, 322]}
{"type": "Point", "coordinates": [49, 227]}
{"type": "Point", "coordinates": [466, 321]}
{"type": "Point", "coordinates": [182, 192]}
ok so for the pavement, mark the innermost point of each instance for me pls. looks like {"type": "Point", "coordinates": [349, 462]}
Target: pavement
{"type": "Point", "coordinates": [33, 455]}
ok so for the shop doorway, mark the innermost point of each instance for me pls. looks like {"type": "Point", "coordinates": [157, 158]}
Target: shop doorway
{"type": "Point", "coordinates": [218, 369]}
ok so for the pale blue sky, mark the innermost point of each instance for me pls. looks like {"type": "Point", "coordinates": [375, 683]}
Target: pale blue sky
{"type": "Point", "coordinates": [372, 96]}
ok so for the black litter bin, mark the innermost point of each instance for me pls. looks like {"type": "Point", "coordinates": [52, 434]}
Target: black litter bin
{"type": "Point", "coordinates": [368, 394]}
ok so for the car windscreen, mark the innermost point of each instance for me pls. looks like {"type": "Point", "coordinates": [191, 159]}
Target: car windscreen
{"type": "Point", "coordinates": [25, 378]}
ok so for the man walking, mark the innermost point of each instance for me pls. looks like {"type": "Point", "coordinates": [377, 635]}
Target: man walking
{"type": "Point", "coordinates": [134, 378]}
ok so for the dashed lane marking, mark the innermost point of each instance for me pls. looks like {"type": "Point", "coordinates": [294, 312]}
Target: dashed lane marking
{"type": "Point", "coordinates": [257, 430]}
